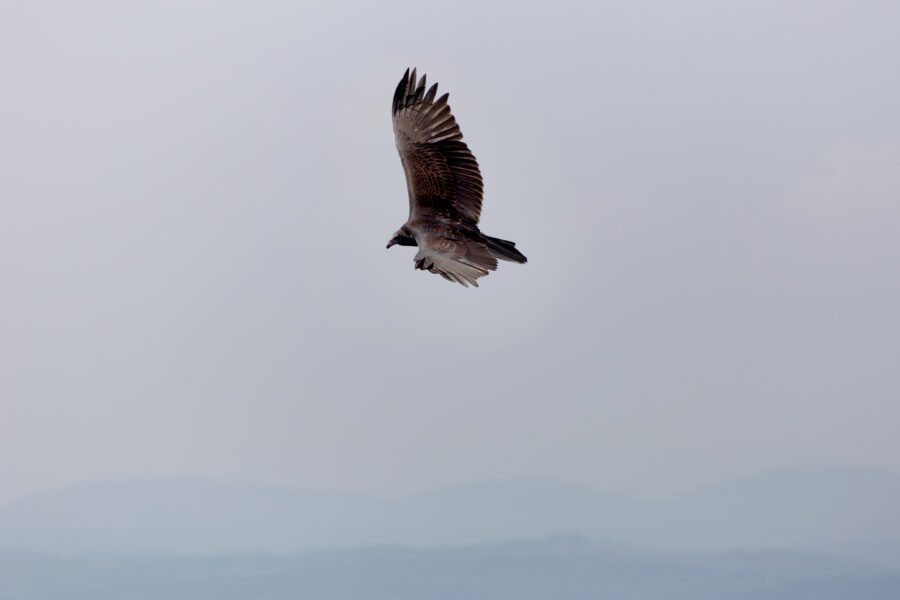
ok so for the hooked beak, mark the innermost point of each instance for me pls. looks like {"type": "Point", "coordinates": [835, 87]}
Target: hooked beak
{"type": "Point", "coordinates": [390, 243]}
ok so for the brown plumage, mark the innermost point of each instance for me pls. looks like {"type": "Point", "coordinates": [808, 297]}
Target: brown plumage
{"type": "Point", "coordinates": [445, 189]}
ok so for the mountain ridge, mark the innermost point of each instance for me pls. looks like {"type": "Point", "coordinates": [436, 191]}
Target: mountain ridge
{"type": "Point", "coordinates": [805, 508]}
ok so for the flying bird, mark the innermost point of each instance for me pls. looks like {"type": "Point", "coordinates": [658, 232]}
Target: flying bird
{"type": "Point", "coordinates": [445, 189]}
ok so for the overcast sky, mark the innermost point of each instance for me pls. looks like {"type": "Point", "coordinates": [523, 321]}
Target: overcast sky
{"type": "Point", "coordinates": [196, 197]}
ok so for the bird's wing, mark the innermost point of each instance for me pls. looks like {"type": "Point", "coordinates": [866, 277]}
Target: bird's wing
{"type": "Point", "coordinates": [454, 257]}
{"type": "Point", "coordinates": [441, 172]}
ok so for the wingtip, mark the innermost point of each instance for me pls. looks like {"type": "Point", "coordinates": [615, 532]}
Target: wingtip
{"type": "Point", "coordinates": [400, 92]}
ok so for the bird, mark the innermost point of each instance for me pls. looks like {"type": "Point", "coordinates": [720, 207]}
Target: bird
{"type": "Point", "coordinates": [445, 189]}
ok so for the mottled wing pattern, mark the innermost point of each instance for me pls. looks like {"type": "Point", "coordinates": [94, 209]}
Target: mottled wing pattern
{"type": "Point", "coordinates": [454, 258]}
{"type": "Point", "coordinates": [441, 172]}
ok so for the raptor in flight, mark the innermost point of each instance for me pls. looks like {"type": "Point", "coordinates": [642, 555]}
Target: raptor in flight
{"type": "Point", "coordinates": [445, 189]}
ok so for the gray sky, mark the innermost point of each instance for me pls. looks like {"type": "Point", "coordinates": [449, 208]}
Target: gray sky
{"type": "Point", "coordinates": [196, 198]}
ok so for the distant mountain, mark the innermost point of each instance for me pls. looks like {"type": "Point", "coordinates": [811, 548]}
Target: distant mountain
{"type": "Point", "coordinates": [839, 511]}
{"type": "Point", "coordinates": [791, 507]}
{"type": "Point", "coordinates": [554, 569]}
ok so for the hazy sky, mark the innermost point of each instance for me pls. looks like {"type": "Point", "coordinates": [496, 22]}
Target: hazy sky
{"type": "Point", "coordinates": [196, 197]}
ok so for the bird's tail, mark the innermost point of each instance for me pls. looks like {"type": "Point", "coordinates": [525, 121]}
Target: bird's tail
{"type": "Point", "coordinates": [504, 249]}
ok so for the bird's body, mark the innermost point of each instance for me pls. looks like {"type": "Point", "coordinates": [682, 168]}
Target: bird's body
{"type": "Point", "coordinates": [445, 189]}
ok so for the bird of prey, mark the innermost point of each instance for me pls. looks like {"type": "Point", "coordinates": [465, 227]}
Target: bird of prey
{"type": "Point", "coordinates": [445, 188]}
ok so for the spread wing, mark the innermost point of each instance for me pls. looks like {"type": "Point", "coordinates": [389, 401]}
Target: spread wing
{"type": "Point", "coordinates": [454, 258]}
{"type": "Point", "coordinates": [441, 172]}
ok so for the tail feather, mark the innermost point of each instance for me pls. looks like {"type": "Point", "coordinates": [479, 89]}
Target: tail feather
{"type": "Point", "coordinates": [504, 249]}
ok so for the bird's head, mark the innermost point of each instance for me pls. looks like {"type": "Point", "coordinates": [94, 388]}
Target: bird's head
{"type": "Point", "coordinates": [402, 237]}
